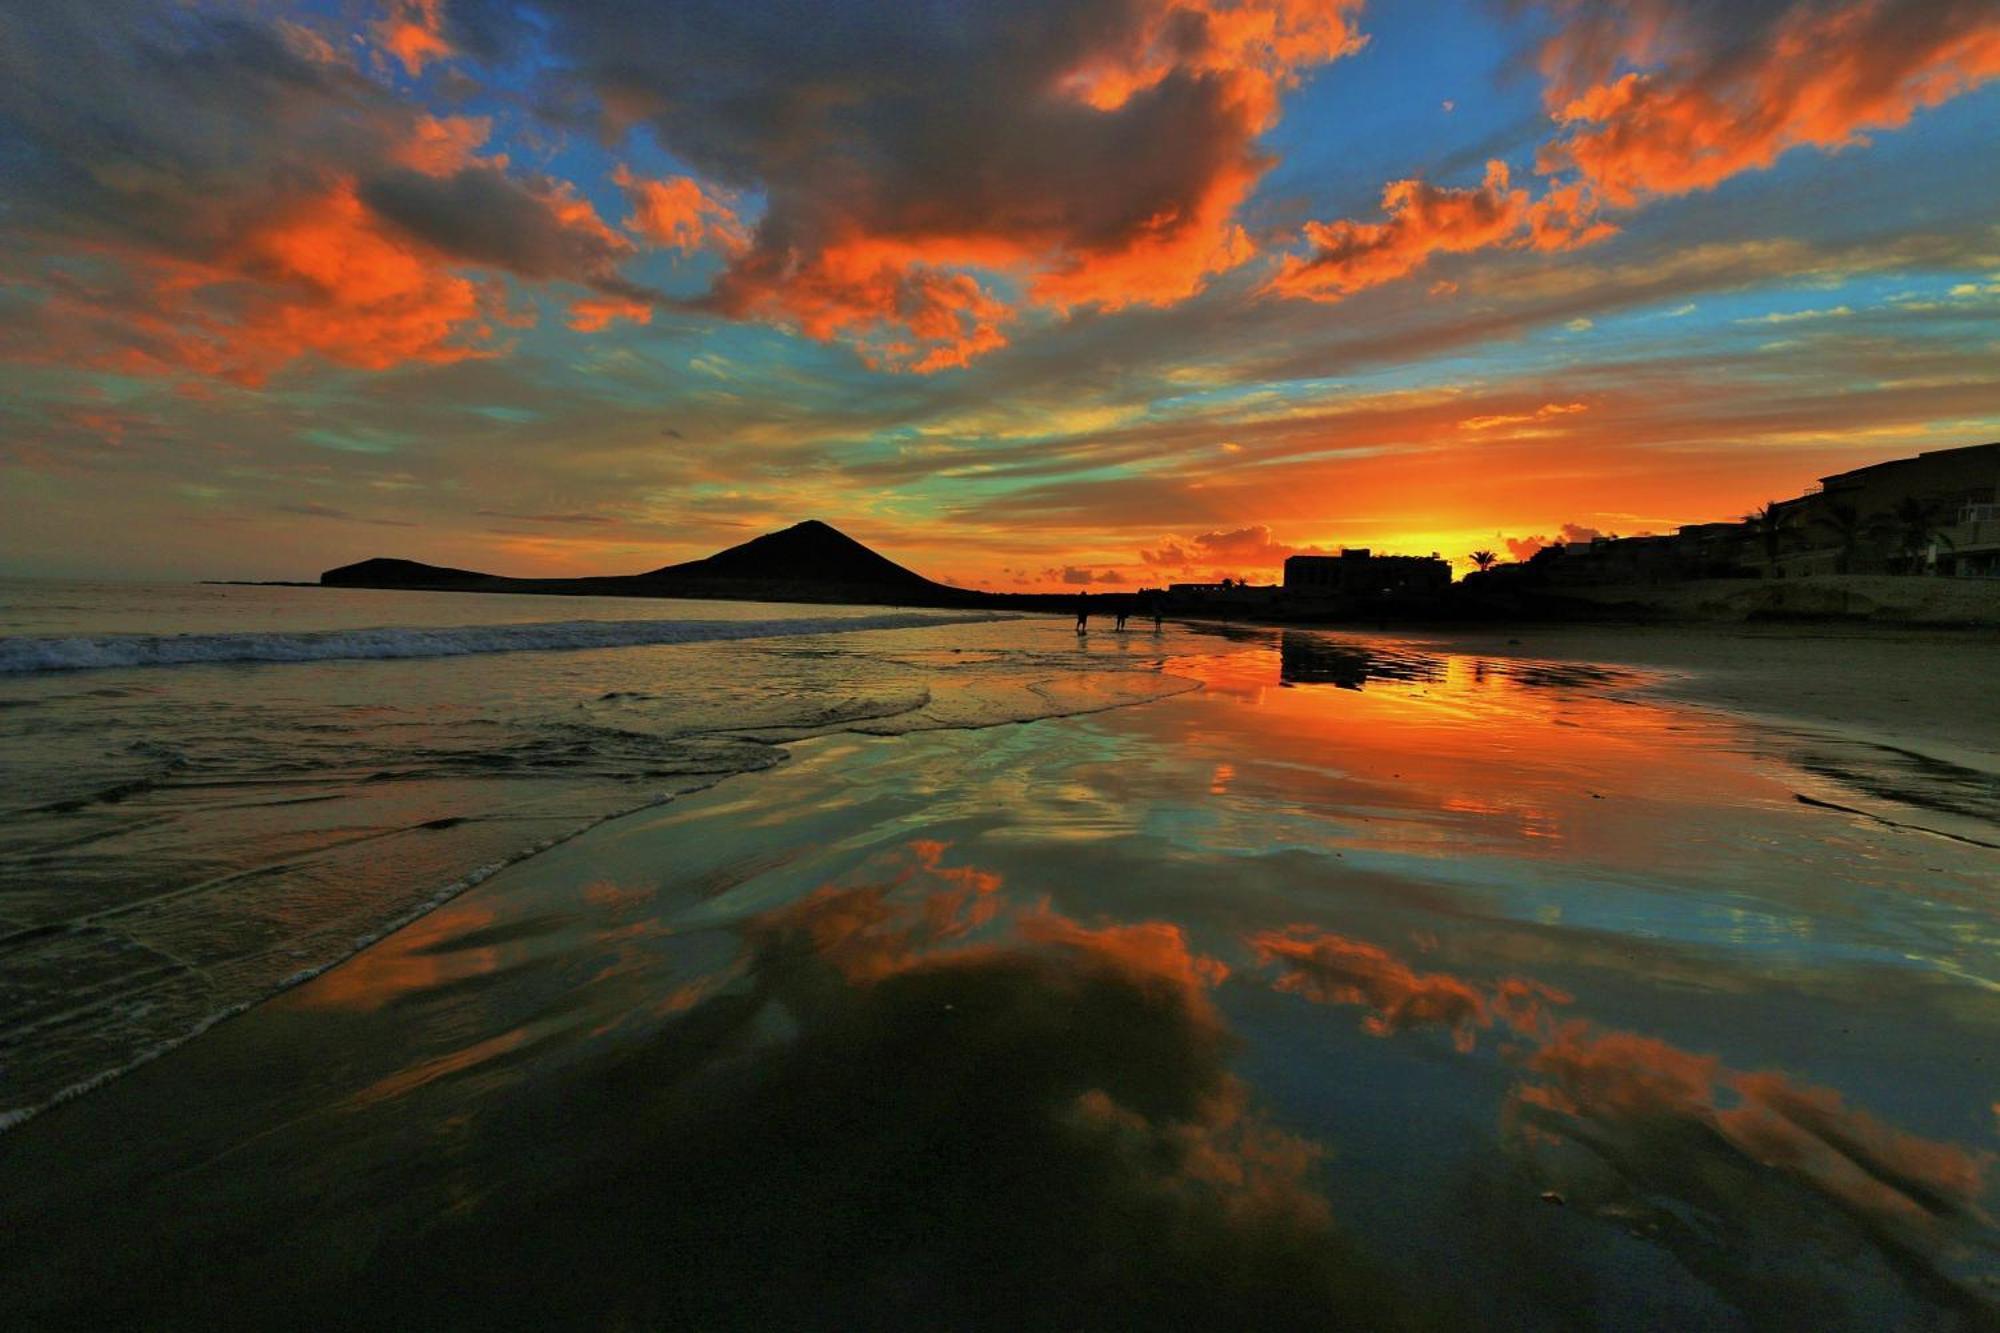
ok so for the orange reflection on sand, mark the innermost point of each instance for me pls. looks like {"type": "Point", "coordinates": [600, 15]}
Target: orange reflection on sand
{"type": "Point", "coordinates": [1417, 750]}
{"type": "Point", "coordinates": [1333, 969]}
{"type": "Point", "coordinates": [419, 957]}
{"type": "Point", "coordinates": [1624, 1080]}
{"type": "Point", "coordinates": [870, 931]}
{"type": "Point", "coordinates": [1156, 948]}
{"type": "Point", "coordinates": [1653, 1120]}
{"type": "Point", "coordinates": [405, 1081]}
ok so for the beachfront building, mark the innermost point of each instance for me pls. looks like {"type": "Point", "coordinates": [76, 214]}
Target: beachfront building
{"type": "Point", "coordinates": [1932, 514]}
{"type": "Point", "coordinates": [1970, 547]}
{"type": "Point", "coordinates": [1694, 551]}
{"type": "Point", "coordinates": [1359, 572]}
{"type": "Point", "coordinates": [1936, 513]}
{"type": "Point", "coordinates": [1225, 597]}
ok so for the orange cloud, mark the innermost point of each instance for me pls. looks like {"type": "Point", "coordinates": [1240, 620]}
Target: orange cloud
{"type": "Point", "coordinates": [680, 213]}
{"type": "Point", "coordinates": [1625, 1084]}
{"type": "Point", "coordinates": [1269, 40]}
{"type": "Point", "coordinates": [594, 313]}
{"type": "Point", "coordinates": [413, 32]}
{"type": "Point", "coordinates": [441, 145]}
{"type": "Point", "coordinates": [333, 220]}
{"type": "Point", "coordinates": [1542, 413]}
{"type": "Point", "coordinates": [1253, 546]}
{"type": "Point", "coordinates": [1708, 105]}
{"type": "Point", "coordinates": [1164, 261]}
{"type": "Point", "coordinates": [1424, 220]}
{"type": "Point", "coordinates": [1565, 219]}
{"type": "Point", "coordinates": [899, 314]}
{"type": "Point", "coordinates": [344, 288]}
{"type": "Point", "coordinates": [1819, 76]}
{"type": "Point", "coordinates": [322, 276]}
{"type": "Point", "coordinates": [1104, 170]}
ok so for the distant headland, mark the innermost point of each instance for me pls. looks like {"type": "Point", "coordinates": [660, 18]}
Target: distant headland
{"type": "Point", "coordinates": [807, 562]}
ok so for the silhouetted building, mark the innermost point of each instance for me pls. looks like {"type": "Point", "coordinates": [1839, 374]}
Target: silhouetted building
{"type": "Point", "coordinates": [1223, 597]}
{"type": "Point", "coordinates": [1972, 543]}
{"type": "Point", "coordinates": [1359, 572]}
{"type": "Point", "coordinates": [1937, 513]}
{"type": "Point", "coordinates": [1932, 514]}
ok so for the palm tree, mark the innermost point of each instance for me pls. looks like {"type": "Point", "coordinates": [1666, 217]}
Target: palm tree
{"type": "Point", "coordinates": [1848, 527]}
{"type": "Point", "coordinates": [1483, 559]}
{"type": "Point", "coordinates": [1770, 523]}
{"type": "Point", "coordinates": [1917, 530]}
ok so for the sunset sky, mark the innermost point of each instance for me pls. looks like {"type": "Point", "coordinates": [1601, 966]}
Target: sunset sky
{"type": "Point", "coordinates": [1023, 294]}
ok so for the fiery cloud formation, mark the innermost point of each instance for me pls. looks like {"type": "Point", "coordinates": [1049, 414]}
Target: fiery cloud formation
{"type": "Point", "coordinates": [339, 222]}
{"type": "Point", "coordinates": [1253, 547]}
{"type": "Point", "coordinates": [1112, 149]}
{"type": "Point", "coordinates": [1665, 97]}
{"type": "Point", "coordinates": [1657, 1121]}
{"type": "Point", "coordinates": [1423, 221]}
{"type": "Point", "coordinates": [680, 213]}
{"type": "Point", "coordinates": [413, 32]}
{"type": "Point", "coordinates": [473, 223]}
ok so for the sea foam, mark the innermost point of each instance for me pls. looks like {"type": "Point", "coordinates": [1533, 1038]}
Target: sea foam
{"type": "Point", "coordinates": [86, 652]}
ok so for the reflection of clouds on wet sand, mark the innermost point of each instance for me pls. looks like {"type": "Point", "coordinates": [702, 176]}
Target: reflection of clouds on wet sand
{"type": "Point", "coordinates": [915, 1103]}
{"type": "Point", "coordinates": [1759, 1183]}
{"type": "Point", "coordinates": [1332, 969]}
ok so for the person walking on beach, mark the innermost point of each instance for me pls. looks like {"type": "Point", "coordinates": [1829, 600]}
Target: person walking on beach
{"type": "Point", "coordinates": [1083, 613]}
{"type": "Point", "coordinates": [1156, 616]}
{"type": "Point", "coordinates": [1123, 611]}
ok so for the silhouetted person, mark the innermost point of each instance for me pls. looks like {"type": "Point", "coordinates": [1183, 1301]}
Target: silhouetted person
{"type": "Point", "coordinates": [1123, 612]}
{"type": "Point", "coordinates": [1157, 626]}
{"type": "Point", "coordinates": [1083, 613]}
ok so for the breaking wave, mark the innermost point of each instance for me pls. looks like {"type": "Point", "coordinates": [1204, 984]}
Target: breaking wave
{"type": "Point", "coordinates": [88, 652]}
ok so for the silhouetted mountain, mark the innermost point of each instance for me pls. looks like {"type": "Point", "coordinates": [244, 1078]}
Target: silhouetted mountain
{"type": "Point", "coordinates": [810, 550]}
{"type": "Point", "coordinates": [807, 562]}
{"type": "Point", "coordinates": [384, 572]}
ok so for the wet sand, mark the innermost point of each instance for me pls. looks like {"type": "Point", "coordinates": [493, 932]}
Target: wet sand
{"type": "Point", "coordinates": [1369, 984]}
{"type": "Point", "coordinates": [1935, 691]}
{"type": "Point", "coordinates": [1908, 720]}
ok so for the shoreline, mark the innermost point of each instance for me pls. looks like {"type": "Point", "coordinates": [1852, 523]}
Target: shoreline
{"type": "Point", "coordinates": [925, 716]}
{"type": "Point", "coordinates": [1768, 673]}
